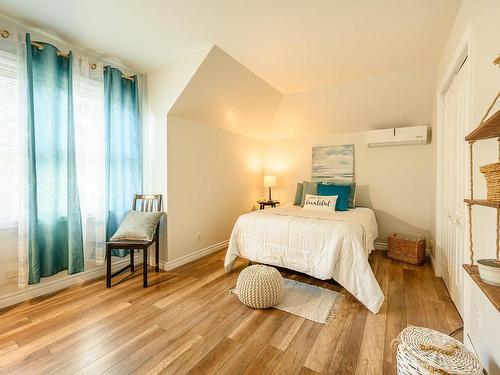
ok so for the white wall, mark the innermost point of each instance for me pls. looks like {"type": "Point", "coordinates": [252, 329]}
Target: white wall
{"type": "Point", "coordinates": [397, 182]}
{"type": "Point", "coordinates": [9, 264]}
{"type": "Point", "coordinates": [213, 177]}
{"type": "Point", "coordinates": [394, 181]}
{"type": "Point", "coordinates": [479, 21]}
{"type": "Point", "coordinates": [396, 99]}
{"type": "Point", "coordinates": [400, 98]}
{"type": "Point", "coordinates": [164, 86]}
{"type": "Point", "coordinates": [213, 161]}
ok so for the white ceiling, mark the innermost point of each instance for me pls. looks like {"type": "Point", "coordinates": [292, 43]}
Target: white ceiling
{"type": "Point", "coordinates": [295, 45]}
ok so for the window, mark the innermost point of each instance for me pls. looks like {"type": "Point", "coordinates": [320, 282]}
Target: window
{"type": "Point", "coordinates": [9, 134]}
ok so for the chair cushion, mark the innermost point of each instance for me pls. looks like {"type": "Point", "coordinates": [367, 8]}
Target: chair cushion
{"type": "Point", "coordinates": [137, 225]}
{"type": "Point", "coordinates": [129, 244]}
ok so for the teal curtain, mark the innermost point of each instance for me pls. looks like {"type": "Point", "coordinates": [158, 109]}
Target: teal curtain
{"type": "Point", "coordinates": [123, 146]}
{"type": "Point", "coordinates": [55, 228]}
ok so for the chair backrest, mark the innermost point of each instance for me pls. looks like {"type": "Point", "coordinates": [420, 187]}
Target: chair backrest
{"type": "Point", "coordinates": [147, 202]}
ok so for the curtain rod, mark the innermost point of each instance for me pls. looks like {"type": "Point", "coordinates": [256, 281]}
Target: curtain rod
{"type": "Point", "coordinates": [63, 54]}
{"type": "Point", "coordinates": [130, 78]}
{"type": "Point", "coordinates": [5, 34]}
{"type": "Point", "coordinates": [40, 47]}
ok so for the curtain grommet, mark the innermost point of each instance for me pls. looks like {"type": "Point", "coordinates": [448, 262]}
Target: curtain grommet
{"type": "Point", "coordinates": [5, 34]}
{"type": "Point", "coordinates": [93, 66]}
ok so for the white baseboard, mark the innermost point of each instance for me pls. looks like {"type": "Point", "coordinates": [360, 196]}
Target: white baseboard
{"type": "Point", "coordinates": [33, 291]}
{"type": "Point", "coordinates": [379, 245]}
{"type": "Point", "coordinates": [170, 265]}
{"type": "Point", "coordinates": [433, 262]}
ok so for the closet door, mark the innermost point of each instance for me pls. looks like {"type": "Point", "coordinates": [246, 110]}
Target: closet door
{"type": "Point", "coordinates": [454, 182]}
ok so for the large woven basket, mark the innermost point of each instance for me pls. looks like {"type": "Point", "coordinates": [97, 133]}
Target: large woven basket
{"type": "Point", "coordinates": [492, 175]}
{"type": "Point", "coordinates": [428, 352]}
{"type": "Point", "coordinates": [406, 247]}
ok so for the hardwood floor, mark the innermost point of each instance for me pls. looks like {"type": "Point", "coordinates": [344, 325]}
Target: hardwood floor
{"type": "Point", "coordinates": [187, 322]}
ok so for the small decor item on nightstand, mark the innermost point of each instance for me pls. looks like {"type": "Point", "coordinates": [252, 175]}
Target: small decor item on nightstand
{"type": "Point", "coordinates": [425, 351]}
{"type": "Point", "coordinates": [406, 247]}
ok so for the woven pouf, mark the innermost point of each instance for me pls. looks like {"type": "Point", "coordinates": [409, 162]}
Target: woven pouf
{"type": "Point", "coordinates": [425, 351]}
{"type": "Point", "coordinates": [259, 287]}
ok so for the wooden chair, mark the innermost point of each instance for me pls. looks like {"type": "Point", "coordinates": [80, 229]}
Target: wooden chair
{"type": "Point", "coordinates": [148, 203]}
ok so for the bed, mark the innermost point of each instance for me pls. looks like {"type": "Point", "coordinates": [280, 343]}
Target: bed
{"type": "Point", "coordinates": [324, 245]}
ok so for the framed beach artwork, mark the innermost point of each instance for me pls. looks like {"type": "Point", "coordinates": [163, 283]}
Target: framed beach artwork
{"type": "Point", "coordinates": [333, 163]}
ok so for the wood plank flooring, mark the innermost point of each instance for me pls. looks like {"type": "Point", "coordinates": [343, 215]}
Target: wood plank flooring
{"type": "Point", "coordinates": [187, 322]}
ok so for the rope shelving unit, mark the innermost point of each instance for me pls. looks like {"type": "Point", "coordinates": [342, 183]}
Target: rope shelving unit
{"type": "Point", "coordinates": [488, 128]}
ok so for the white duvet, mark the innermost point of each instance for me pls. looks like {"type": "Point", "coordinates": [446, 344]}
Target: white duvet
{"type": "Point", "coordinates": [324, 245]}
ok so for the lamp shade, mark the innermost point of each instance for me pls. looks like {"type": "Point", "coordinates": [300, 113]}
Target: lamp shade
{"type": "Point", "coordinates": [269, 181]}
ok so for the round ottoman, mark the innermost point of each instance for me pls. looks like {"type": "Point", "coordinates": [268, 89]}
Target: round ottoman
{"type": "Point", "coordinates": [259, 287]}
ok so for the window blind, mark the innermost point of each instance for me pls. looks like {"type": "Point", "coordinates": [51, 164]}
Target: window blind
{"type": "Point", "coordinates": [9, 134]}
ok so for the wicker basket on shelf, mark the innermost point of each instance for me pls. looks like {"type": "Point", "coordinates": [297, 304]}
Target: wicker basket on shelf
{"type": "Point", "coordinates": [492, 175]}
{"type": "Point", "coordinates": [425, 351]}
{"type": "Point", "coordinates": [406, 247]}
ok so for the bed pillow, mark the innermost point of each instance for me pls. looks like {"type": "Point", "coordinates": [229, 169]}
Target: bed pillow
{"type": "Point", "coordinates": [320, 202]}
{"type": "Point", "coordinates": [308, 188]}
{"type": "Point", "coordinates": [352, 194]}
{"type": "Point", "coordinates": [137, 226]}
{"type": "Point", "coordinates": [298, 194]}
{"type": "Point", "coordinates": [342, 191]}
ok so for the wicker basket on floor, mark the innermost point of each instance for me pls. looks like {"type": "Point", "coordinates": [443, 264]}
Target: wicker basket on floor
{"type": "Point", "coordinates": [428, 352]}
{"type": "Point", "coordinates": [492, 175]}
{"type": "Point", "coordinates": [406, 247]}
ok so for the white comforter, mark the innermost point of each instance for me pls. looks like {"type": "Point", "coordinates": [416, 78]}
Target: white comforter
{"type": "Point", "coordinates": [321, 244]}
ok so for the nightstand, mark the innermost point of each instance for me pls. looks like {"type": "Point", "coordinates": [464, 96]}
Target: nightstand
{"type": "Point", "coordinates": [263, 204]}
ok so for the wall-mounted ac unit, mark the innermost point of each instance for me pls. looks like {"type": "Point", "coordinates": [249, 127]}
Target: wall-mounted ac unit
{"type": "Point", "coordinates": [412, 135]}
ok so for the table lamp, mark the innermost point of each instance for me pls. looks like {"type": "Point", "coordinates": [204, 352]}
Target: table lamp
{"type": "Point", "coordinates": [269, 182]}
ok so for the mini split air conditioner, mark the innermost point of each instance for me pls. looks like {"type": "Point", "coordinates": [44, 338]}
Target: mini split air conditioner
{"type": "Point", "coordinates": [412, 135]}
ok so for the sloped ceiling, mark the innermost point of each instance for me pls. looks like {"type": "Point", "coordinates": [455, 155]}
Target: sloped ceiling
{"type": "Point", "coordinates": [397, 99]}
{"type": "Point", "coordinates": [225, 94]}
{"type": "Point", "coordinates": [295, 45]}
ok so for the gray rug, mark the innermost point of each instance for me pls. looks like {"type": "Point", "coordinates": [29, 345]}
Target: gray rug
{"type": "Point", "coordinates": [308, 301]}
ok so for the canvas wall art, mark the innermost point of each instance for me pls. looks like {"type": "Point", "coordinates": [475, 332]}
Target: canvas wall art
{"type": "Point", "coordinates": [333, 163]}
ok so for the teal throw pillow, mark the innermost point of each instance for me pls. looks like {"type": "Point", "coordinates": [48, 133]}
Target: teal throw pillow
{"type": "Point", "coordinates": [342, 191]}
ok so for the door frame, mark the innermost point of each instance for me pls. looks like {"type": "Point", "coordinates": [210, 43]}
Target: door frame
{"type": "Point", "coordinates": [462, 51]}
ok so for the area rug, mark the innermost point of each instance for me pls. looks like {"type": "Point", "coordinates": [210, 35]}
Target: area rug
{"type": "Point", "coordinates": [308, 301]}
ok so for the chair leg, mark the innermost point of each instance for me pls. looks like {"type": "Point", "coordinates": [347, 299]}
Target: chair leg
{"type": "Point", "coordinates": [157, 254]}
{"type": "Point", "coordinates": [108, 266]}
{"type": "Point", "coordinates": [132, 254]}
{"type": "Point", "coordinates": [145, 268]}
